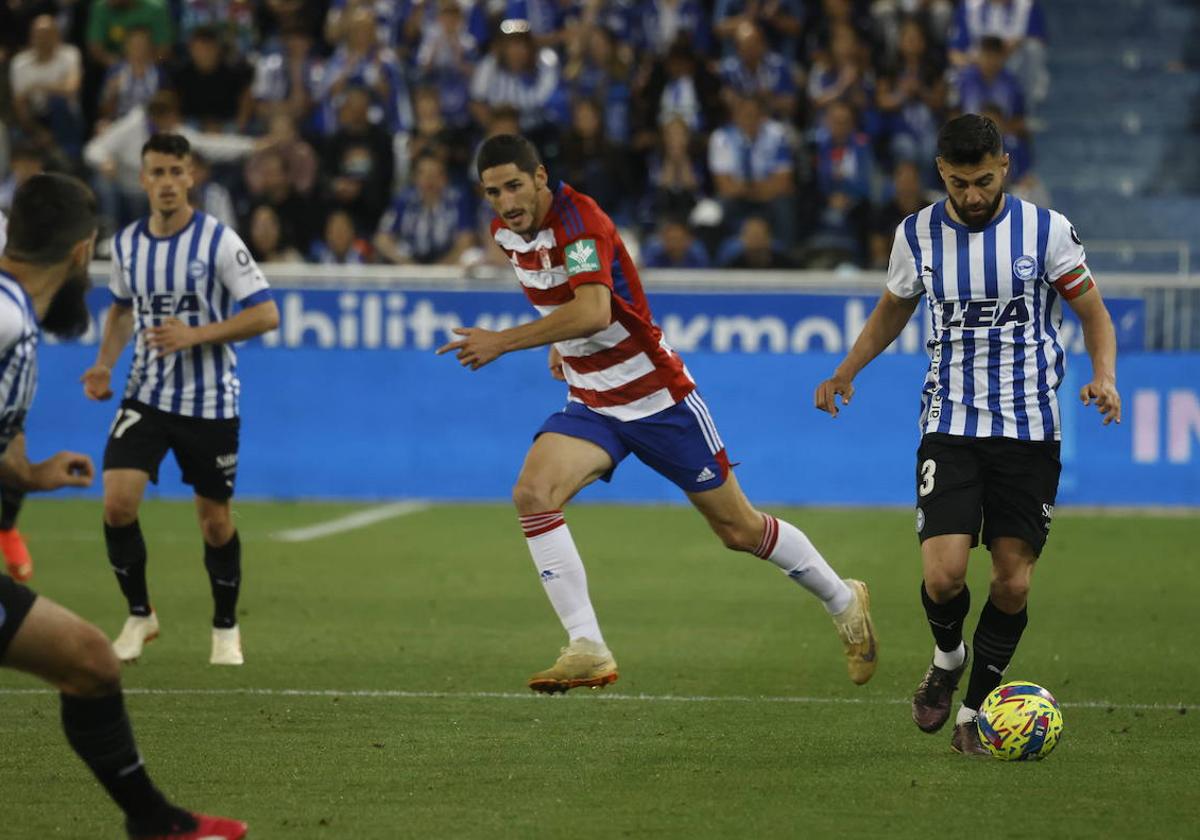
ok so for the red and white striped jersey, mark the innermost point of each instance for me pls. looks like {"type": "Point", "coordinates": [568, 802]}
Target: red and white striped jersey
{"type": "Point", "coordinates": [627, 370]}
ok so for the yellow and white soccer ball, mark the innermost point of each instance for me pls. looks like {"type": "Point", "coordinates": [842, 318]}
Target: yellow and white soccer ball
{"type": "Point", "coordinates": [1020, 721]}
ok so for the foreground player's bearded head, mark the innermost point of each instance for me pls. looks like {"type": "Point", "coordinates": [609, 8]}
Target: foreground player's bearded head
{"type": "Point", "coordinates": [973, 165]}
{"type": "Point", "coordinates": [52, 225]}
{"type": "Point", "coordinates": [514, 182]}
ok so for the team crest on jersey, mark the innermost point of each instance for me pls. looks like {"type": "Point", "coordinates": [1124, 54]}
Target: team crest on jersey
{"type": "Point", "coordinates": [197, 269]}
{"type": "Point", "coordinates": [582, 257]}
{"type": "Point", "coordinates": [1025, 267]}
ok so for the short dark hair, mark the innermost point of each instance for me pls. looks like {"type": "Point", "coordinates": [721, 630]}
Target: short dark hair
{"type": "Point", "coordinates": [508, 148]}
{"type": "Point", "coordinates": [50, 214]}
{"type": "Point", "coordinates": [991, 43]}
{"type": "Point", "coordinates": [968, 139]}
{"type": "Point", "coordinates": [164, 103]}
{"type": "Point", "coordinates": [168, 144]}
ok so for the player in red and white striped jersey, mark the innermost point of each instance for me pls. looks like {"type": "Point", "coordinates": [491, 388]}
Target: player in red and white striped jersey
{"type": "Point", "coordinates": [629, 392]}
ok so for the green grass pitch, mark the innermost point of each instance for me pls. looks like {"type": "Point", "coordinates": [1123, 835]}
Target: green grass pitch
{"type": "Point", "coordinates": [384, 691]}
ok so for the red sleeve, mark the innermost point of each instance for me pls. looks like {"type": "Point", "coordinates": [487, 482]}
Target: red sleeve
{"type": "Point", "coordinates": [588, 256]}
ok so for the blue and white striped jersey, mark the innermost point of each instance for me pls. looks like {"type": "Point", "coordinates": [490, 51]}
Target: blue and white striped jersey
{"type": "Point", "coordinates": [994, 299]}
{"type": "Point", "coordinates": [197, 276]}
{"type": "Point", "coordinates": [19, 334]}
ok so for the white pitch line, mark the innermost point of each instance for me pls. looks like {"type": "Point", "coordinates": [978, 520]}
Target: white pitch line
{"type": "Point", "coordinates": [397, 694]}
{"type": "Point", "coordinates": [350, 522]}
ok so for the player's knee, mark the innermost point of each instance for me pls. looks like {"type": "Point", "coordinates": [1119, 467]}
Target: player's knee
{"type": "Point", "coordinates": [119, 511]}
{"type": "Point", "coordinates": [217, 530]}
{"type": "Point", "coordinates": [1010, 592]}
{"type": "Point", "coordinates": [95, 670]}
{"type": "Point", "coordinates": [531, 496]}
{"type": "Point", "coordinates": [943, 584]}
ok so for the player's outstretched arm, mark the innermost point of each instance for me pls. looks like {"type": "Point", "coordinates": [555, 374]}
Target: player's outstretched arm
{"type": "Point", "coordinates": [887, 321]}
{"type": "Point", "coordinates": [63, 469]}
{"type": "Point", "coordinates": [173, 335]}
{"type": "Point", "coordinates": [589, 312]}
{"type": "Point", "coordinates": [118, 327]}
{"type": "Point", "coordinates": [1101, 341]}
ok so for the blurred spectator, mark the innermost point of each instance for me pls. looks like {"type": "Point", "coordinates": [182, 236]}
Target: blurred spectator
{"type": "Point", "coordinates": [673, 246]}
{"type": "Point", "coordinates": [753, 167]}
{"type": "Point", "coordinates": [214, 94]}
{"type": "Point", "coordinates": [266, 238]}
{"type": "Point", "coordinates": [417, 16]}
{"type": "Point", "coordinates": [360, 61]}
{"type": "Point", "coordinates": [299, 158]}
{"type": "Point", "coordinates": [16, 20]}
{"type": "Point", "coordinates": [781, 20]}
{"type": "Point", "coordinates": [340, 245]}
{"type": "Point", "coordinates": [593, 164]}
{"type": "Point", "coordinates": [519, 74]}
{"type": "Point", "coordinates": [288, 75]}
{"type": "Point", "coordinates": [430, 222]}
{"type": "Point", "coordinates": [907, 198]}
{"type": "Point", "coordinates": [676, 174]}
{"type": "Point", "coordinates": [678, 86]}
{"type": "Point", "coordinates": [664, 22]}
{"type": "Point", "coordinates": [45, 80]}
{"type": "Point", "coordinates": [356, 161]}
{"type": "Point", "coordinates": [987, 81]}
{"type": "Point", "coordinates": [25, 161]}
{"type": "Point", "coordinates": [841, 73]}
{"type": "Point", "coordinates": [911, 97]}
{"type": "Point", "coordinates": [109, 22]}
{"type": "Point", "coordinates": [754, 247]}
{"type": "Point", "coordinates": [844, 170]}
{"type": "Point", "coordinates": [232, 20]}
{"type": "Point", "coordinates": [445, 60]}
{"type": "Point", "coordinates": [753, 71]}
{"type": "Point", "coordinates": [1021, 27]}
{"type": "Point", "coordinates": [599, 70]}
{"type": "Point", "coordinates": [209, 196]}
{"type": "Point", "coordinates": [433, 135]}
{"type": "Point", "coordinates": [131, 82]}
{"type": "Point", "coordinates": [115, 154]}
{"type": "Point", "coordinates": [270, 183]}
{"type": "Point", "coordinates": [889, 17]}
{"type": "Point", "coordinates": [389, 17]}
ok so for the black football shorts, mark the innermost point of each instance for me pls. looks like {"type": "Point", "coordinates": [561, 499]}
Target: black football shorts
{"type": "Point", "coordinates": [206, 450]}
{"type": "Point", "coordinates": [15, 602]}
{"type": "Point", "coordinates": [1006, 487]}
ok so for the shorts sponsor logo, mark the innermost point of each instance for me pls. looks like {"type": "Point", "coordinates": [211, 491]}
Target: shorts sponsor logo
{"type": "Point", "coordinates": [1025, 267]}
{"type": "Point", "coordinates": [1047, 514]}
{"type": "Point", "coordinates": [224, 462]}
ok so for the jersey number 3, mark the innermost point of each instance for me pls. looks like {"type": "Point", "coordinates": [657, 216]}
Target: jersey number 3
{"type": "Point", "coordinates": [927, 470]}
{"type": "Point", "coordinates": [125, 418]}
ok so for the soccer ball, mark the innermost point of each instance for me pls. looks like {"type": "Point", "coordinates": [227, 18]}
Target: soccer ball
{"type": "Point", "coordinates": [1020, 721]}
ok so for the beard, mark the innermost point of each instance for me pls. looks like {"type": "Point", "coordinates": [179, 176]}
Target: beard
{"type": "Point", "coordinates": [976, 219]}
{"type": "Point", "coordinates": [68, 316]}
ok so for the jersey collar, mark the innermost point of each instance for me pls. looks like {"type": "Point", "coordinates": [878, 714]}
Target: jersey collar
{"type": "Point", "coordinates": [145, 228]}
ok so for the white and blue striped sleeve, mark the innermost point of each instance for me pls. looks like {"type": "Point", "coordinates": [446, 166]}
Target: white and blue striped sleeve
{"type": "Point", "coordinates": [118, 281]}
{"type": "Point", "coordinates": [239, 273]}
{"type": "Point", "coordinates": [12, 321]}
{"type": "Point", "coordinates": [902, 278]}
{"type": "Point", "coordinates": [1064, 250]}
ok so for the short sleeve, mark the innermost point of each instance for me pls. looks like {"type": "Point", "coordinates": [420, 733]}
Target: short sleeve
{"type": "Point", "coordinates": [588, 259]}
{"type": "Point", "coordinates": [1066, 260]}
{"type": "Point", "coordinates": [902, 279]}
{"type": "Point", "coordinates": [12, 322]}
{"type": "Point", "coordinates": [239, 273]}
{"type": "Point", "coordinates": [118, 278]}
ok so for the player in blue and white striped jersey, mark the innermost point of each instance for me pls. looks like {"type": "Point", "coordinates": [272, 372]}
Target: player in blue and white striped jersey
{"type": "Point", "coordinates": [177, 276]}
{"type": "Point", "coordinates": [43, 286]}
{"type": "Point", "coordinates": [994, 270]}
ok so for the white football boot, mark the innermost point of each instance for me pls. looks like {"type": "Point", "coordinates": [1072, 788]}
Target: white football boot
{"type": "Point", "coordinates": [226, 646]}
{"type": "Point", "coordinates": [138, 630]}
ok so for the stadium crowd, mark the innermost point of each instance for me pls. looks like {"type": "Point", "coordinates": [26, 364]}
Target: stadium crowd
{"type": "Point", "coordinates": [737, 133]}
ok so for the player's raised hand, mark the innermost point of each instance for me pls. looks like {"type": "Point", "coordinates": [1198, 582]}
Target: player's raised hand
{"type": "Point", "coordinates": [476, 348]}
{"type": "Point", "coordinates": [97, 382]}
{"type": "Point", "coordinates": [555, 362]}
{"type": "Point", "coordinates": [171, 336]}
{"type": "Point", "coordinates": [1103, 392]}
{"type": "Point", "coordinates": [64, 469]}
{"type": "Point", "coordinates": [826, 396]}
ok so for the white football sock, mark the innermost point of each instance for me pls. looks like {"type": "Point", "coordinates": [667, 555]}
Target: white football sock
{"type": "Point", "coordinates": [948, 661]}
{"type": "Point", "coordinates": [965, 715]}
{"type": "Point", "coordinates": [787, 547]}
{"type": "Point", "coordinates": [561, 571]}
